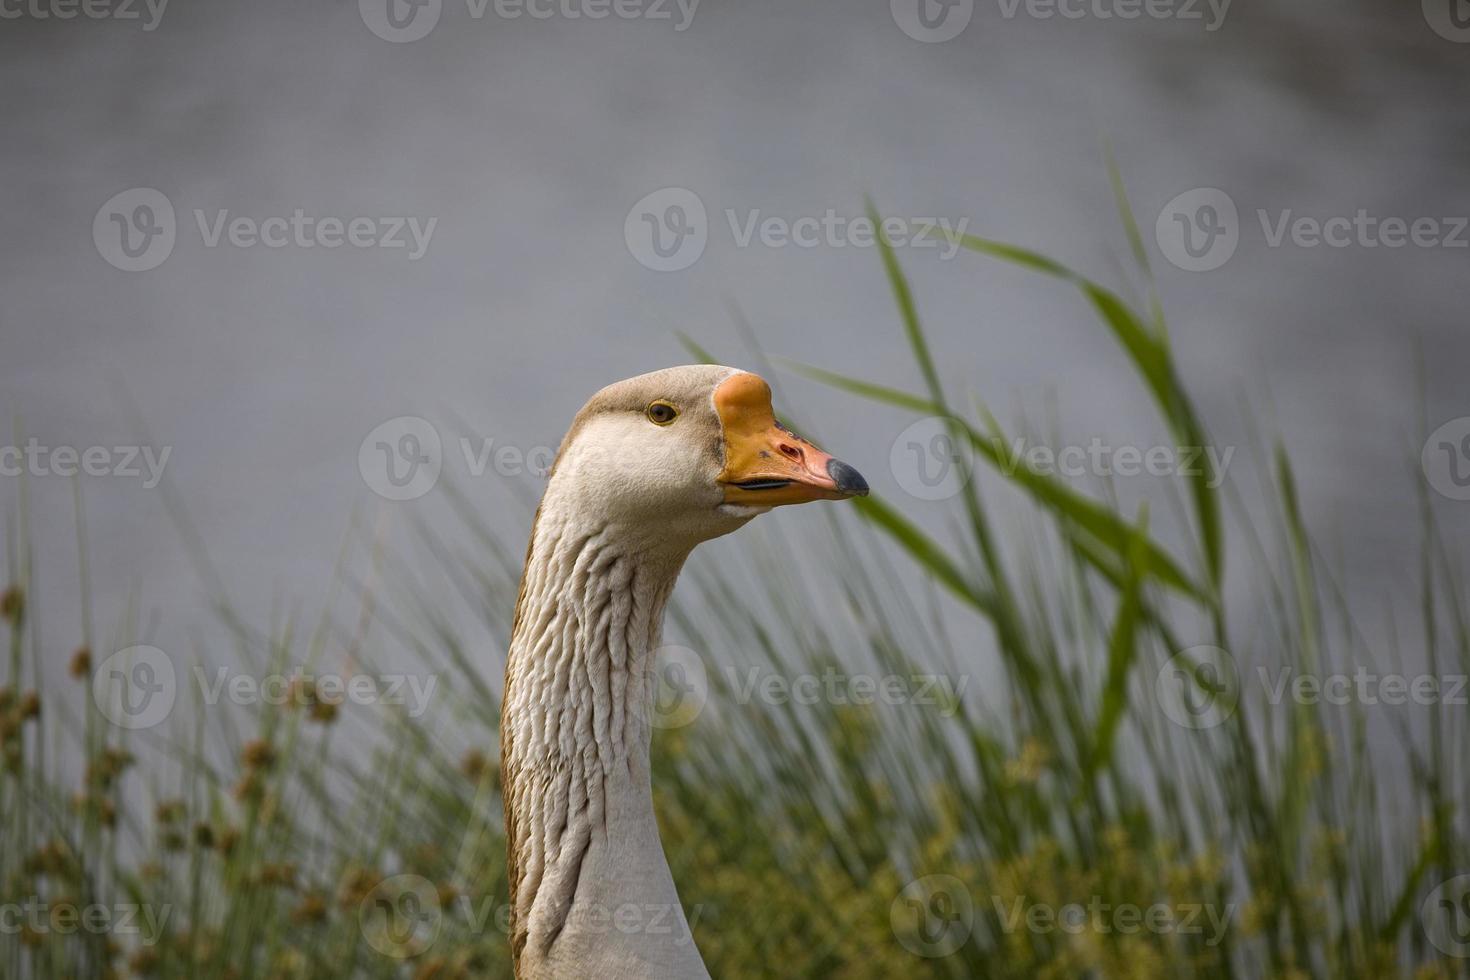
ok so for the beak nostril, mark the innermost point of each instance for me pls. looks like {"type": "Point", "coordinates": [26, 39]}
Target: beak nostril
{"type": "Point", "coordinates": [791, 451]}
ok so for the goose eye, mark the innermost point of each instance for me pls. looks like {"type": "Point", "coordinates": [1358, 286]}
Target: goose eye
{"type": "Point", "coordinates": [661, 413]}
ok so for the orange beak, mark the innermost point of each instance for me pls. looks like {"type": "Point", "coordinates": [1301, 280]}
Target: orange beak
{"type": "Point", "coordinates": [765, 463]}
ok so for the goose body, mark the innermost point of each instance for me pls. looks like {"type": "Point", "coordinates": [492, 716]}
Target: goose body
{"type": "Point", "coordinates": [651, 467]}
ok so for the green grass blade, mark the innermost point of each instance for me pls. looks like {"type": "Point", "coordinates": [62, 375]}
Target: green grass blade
{"type": "Point", "coordinates": [692, 346]}
{"type": "Point", "coordinates": [924, 550]}
{"type": "Point", "coordinates": [1122, 652]}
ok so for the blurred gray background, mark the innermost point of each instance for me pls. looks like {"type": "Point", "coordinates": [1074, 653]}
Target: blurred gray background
{"type": "Point", "coordinates": [530, 139]}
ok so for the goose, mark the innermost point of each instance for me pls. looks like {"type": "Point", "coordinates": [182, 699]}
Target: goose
{"type": "Point", "coordinates": [650, 467]}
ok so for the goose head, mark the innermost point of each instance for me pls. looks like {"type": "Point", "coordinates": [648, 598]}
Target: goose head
{"type": "Point", "coordinates": [688, 454]}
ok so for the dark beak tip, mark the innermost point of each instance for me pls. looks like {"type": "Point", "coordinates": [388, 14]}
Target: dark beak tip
{"type": "Point", "coordinates": [848, 480]}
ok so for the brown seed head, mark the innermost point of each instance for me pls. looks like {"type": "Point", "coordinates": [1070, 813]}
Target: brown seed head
{"type": "Point", "coordinates": [81, 663]}
{"type": "Point", "coordinates": [258, 754]}
{"type": "Point", "coordinates": [13, 606]}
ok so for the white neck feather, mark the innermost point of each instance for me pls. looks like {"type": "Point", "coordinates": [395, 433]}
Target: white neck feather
{"type": "Point", "coordinates": [575, 728]}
